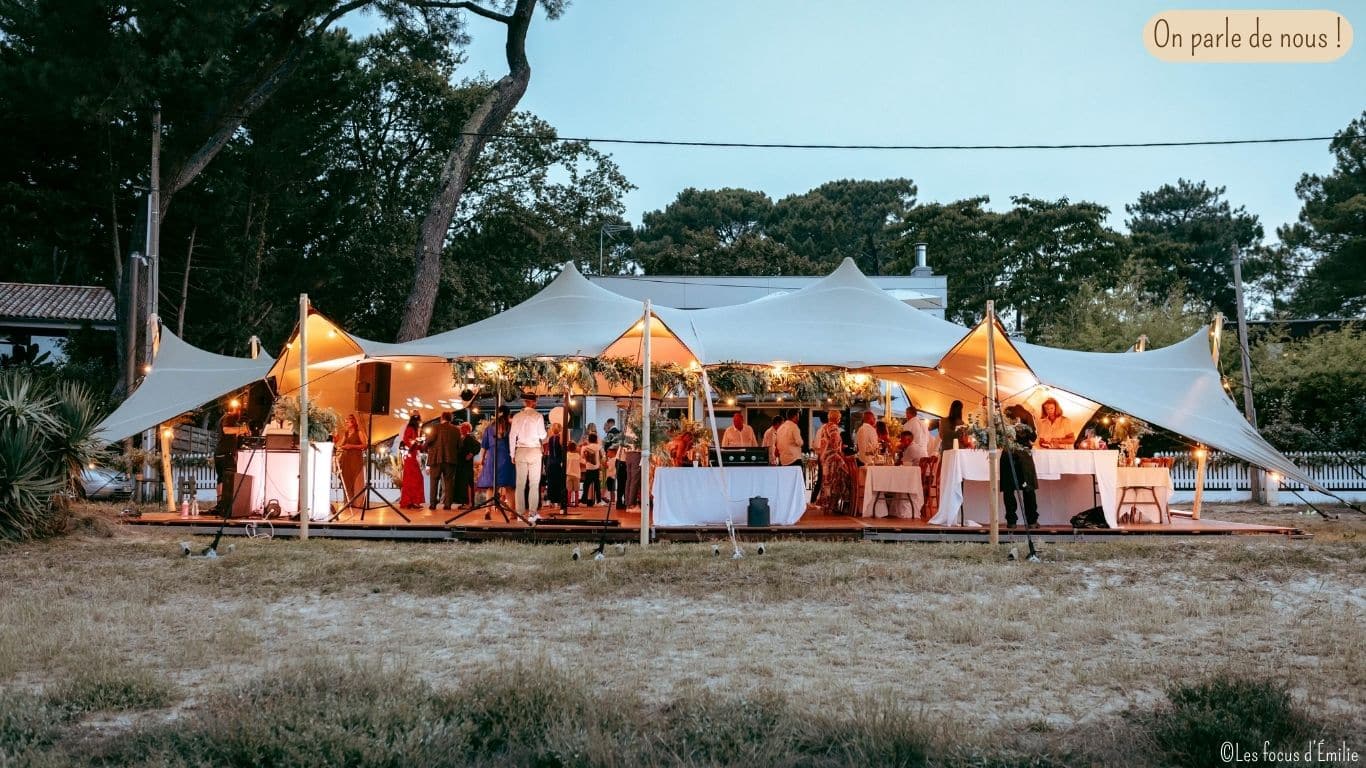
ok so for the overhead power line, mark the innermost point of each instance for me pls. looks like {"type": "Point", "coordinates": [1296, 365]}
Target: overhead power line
{"type": "Point", "coordinates": [911, 147]}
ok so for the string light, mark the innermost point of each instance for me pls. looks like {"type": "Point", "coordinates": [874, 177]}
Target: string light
{"type": "Point", "coordinates": [407, 366]}
{"type": "Point", "coordinates": [147, 368]}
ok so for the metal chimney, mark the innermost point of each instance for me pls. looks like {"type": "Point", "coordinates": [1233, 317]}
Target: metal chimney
{"type": "Point", "coordinates": [922, 269]}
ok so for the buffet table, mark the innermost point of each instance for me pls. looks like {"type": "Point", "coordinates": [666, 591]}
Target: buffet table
{"type": "Point", "coordinates": [699, 495]}
{"type": "Point", "coordinates": [1157, 478]}
{"type": "Point", "coordinates": [904, 481]}
{"type": "Point", "coordinates": [275, 475]}
{"type": "Point", "coordinates": [1069, 482]}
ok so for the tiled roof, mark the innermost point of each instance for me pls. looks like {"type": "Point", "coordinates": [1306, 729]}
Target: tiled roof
{"type": "Point", "coordinates": [37, 301]}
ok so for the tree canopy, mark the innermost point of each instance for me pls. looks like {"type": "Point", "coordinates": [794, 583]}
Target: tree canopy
{"type": "Point", "coordinates": [1331, 231]}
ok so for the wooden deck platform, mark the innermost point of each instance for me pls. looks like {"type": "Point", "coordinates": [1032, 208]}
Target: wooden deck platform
{"type": "Point", "coordinates": [584, 524]}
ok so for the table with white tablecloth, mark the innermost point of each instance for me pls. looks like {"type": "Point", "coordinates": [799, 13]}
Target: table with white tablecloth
{"type": "Point", "coordinates": [704, 496]}
{"type": "Point", "coordinates": [903, 481]}
{"type": "Point", "coordinates": [1157, 478]}
{"type": "Point", "coordinates": [1069, 482]}
{"type": "Point", "coordinates": [275, 475]}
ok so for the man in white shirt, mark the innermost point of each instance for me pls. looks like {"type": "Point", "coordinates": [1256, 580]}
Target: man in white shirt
{"type": "Point", "coordinates": [789, 440]}
{"type": "Point", "coordinates": [738, 434]}
{"type": "Point", "coordinates": [526, 438]}
{"type": "Point", "coordinates": [771, 438]}
{"type": "Point", "coordinates": [866, 443]}
{"type": "Point", "coordinates": [920, 437]}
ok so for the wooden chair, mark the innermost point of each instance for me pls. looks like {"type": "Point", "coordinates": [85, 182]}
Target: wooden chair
{"type": "Point", "coordinates": [1164, 462]}
{"type": "Point", "coordinates": [929, 484]}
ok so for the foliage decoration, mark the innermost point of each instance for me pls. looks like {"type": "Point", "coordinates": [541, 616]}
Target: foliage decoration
{"type": "Point", "coordinates": [322, 422]}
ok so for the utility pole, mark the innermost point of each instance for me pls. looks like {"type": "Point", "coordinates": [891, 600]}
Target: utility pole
{"type": "Point", "coordinates": [1254, 473]}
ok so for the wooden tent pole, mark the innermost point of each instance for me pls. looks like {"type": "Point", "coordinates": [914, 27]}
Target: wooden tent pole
{"type": "Point", "coordinates": [993, 455]}
{"type": "Point", "coordinates": [305, 511]}
{"type": "Point", "coordinates": [645, 488]}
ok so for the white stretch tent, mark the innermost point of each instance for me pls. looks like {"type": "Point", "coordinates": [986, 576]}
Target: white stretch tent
{"type": "Point", "coordinates": [842, 321]}
{"type": "Point", "coordinates": [183, 378]}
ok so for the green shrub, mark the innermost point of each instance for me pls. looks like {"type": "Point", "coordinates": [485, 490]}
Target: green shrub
{"type": "Point", "coordinates": [112, 688]}
{"type": "Point", "coordinates": [28, 725]}
{"type": "Point", "coordinates": [1203, 716]}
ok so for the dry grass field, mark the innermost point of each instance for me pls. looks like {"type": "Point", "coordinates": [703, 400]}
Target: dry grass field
{"type": "Point", "coordinates": [116, 649]}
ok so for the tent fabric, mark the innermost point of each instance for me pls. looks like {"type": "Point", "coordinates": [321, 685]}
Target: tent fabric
{"type": "Point", "coordinates": [570, 317]}
{"type": "Point", "coordinates": [1176, 387]}
{"type": "Point", "coordinates": [183, 378]}
{"type": "Point", "coordinates": [841, 321]}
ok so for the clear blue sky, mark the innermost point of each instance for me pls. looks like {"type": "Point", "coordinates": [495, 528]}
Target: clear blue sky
{"type": "Point", "coordinates": [883, 71]}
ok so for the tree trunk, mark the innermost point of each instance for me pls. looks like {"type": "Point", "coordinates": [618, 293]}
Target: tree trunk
{"type": "Point", "coordinates": [185, 287]}
{"type": "Point", "coordinates": [487, 118]}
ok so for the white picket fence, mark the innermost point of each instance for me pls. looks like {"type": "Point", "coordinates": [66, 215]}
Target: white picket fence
{"type": "Point", "coordinates": [200, 467]}
{"type": "Point", "coordinates": [1228, 479]}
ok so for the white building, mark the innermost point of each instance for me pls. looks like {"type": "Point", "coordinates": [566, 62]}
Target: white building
{"type": "Point", "coordinates": [921, 289]}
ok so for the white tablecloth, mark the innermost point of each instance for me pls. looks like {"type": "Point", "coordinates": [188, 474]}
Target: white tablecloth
{"type": "Point", "coordinates": [275, 475]}
{"type": "Point", "coordinates": [1158, 478]}
{"type": "Point", "coordinates": [697, 495]}
{"type": "Point", "coordinates": [1068, 482]}
{"type": "Point", "coordinates": [902, 480]}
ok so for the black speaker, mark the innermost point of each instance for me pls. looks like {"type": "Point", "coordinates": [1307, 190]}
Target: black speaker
{"type": "Point", "coordinates": [259, 404]}
{"type": "Point", "coordinates": [372, 387]}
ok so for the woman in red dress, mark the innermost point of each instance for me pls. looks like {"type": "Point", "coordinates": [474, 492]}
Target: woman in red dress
{"type": "Point", "coordinates": [412, 495]}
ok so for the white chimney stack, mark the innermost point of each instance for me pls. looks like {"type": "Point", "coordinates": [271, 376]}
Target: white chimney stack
{"type": "Point", "coordinates": [921, 267]}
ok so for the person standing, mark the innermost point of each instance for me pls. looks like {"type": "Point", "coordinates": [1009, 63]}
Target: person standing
{"type": "Point", "coordinates": [1017, 468]}
{"type": "Point", "coordinates": [592, 470]}
{"type": "Point", "coordinates": [441, 461]}
{"type": "Point", "coordinates": [866, 443]}
{"type": "Point", "coordinates": [497, 469]}
{"type": "Point", "coordinates": [951, 427]}
{"type": "Point", "coordinates": [771, 438]}
{"type": "Point", "coordinates": [573, 469]}
{"type": "Point", "coordinates": [351, 444]}
{"type": "Point", "coordinates": [1055, 430]}
{"type": "Point", "coordinates": [834, 493]}
{"type": "Point", "coordinates": [230, 431]}
{"type": "Point", "coordinates": [919, 446]}
{"type": "Point", "coordinates": [527, 438]}
{"type": "Point", "coordinates": [467, 449]}
{"type": "Point", "coordinates": [410, 495]}
{"type": "Point", "coordinates": [790, 441]}
{"type": "Point", "coordinates": [738, 434]}
{"type": "Point", "coordinates": [554, 466]}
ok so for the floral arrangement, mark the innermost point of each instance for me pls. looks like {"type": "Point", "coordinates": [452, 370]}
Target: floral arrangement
{"type": "Point", "coordinates": [1006, 434]}
{"type": "Point", "coordinates": [322, 422]}
{"type": "Point", "coordinates": [894, 427]}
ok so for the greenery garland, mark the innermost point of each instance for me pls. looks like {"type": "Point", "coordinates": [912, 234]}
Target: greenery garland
{"type": "Point", "coordinates": [727, 379]}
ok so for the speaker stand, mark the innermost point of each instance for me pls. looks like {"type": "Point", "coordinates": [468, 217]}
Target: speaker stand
{"type": "Point", "coordinates": [369, 486]}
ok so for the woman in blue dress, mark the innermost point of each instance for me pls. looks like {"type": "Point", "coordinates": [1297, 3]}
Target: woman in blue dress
{"type": "Point", "coordinates": [501, 451]}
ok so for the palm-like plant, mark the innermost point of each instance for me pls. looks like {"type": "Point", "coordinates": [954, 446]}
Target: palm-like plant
{"type": "Point", "coordinates": [27, 483]}
{"type": "Point", "coordinates": [47, 436]}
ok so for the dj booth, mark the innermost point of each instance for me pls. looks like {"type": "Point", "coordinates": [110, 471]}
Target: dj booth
{"type": "Point", "coordinates": [267, 473]}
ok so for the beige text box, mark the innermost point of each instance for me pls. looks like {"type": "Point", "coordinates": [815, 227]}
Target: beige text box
{"type": "Point", "coordinates": [1233, 36]}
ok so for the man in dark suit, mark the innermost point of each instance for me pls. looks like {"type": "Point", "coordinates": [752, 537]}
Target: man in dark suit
{"type": "Point", "coordinates": [441, 458]}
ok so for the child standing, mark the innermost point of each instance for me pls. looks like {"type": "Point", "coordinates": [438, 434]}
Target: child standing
{"type": "Point", "coordinates": [573, 471]}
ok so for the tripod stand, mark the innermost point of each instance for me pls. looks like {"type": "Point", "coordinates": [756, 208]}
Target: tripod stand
{"type": "Point", "coordinates": [369, 486]}
{"type": "Point", "coordinates": [494, 500]}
